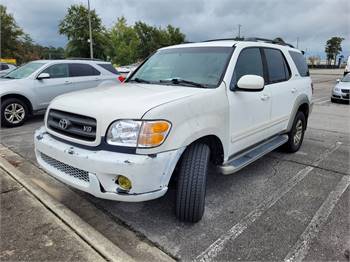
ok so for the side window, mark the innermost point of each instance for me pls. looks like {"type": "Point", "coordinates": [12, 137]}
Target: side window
{"type": "Point", "coordinates": [57, 71]}
{"type": "Point", "coordinates": [82, 70]}
{"type": "Point", "coordinates": [249, 62]}
{"type": "Point", "coordinates": [300, 63]}
{"type": "Point", "coordinates": [277, 66]}
{"type": "Point", "coordinates": [4, 67]}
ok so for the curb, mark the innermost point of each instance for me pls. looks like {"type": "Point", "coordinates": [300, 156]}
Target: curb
{"type": "Point", "coordinates": [95, 239]}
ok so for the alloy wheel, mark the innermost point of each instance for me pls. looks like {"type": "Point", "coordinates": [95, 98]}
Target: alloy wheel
{"type": "Point", "coordinates": [14, 113]}
{"type": "Point", "coordinates": [298, 132]}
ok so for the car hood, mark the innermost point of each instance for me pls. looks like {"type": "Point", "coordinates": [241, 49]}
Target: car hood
{"type": "Point", "coordinates": [343, 85]}
{"type": "Point", "coordinates": [124, 101]}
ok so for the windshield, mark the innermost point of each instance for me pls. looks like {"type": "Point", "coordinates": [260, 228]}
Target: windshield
{"type": "Point", "coordinates": [346, 78]}
{"type": "Point", "coordinates": [24, 71]}
{"type": "Point", "coordinates": [193, 66]}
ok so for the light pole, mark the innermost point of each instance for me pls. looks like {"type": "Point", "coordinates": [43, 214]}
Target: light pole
{"type": "Point", "coordinates": [239, 30]}
{"type": "Point", "coordinates": [90, 32]}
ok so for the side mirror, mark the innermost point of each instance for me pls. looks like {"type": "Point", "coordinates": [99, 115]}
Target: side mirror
{"type": "Point", "coordinates": [43, 76]}
{"type": "Point", "coordinates": [338, 80]}
{"type": "Point", "coordinates": [251, 83]}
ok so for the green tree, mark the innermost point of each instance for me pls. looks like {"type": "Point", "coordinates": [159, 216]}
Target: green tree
{"type": "Point", "coordinates": [123, 43]}
{"type": "Point", "coordinates": [152, 38]}
{"type": "Point", "coordinates": [333, 48]}
{"type": "Point", "coordinates": [75, 25]}
{"type": "Point", "coordinates": [12, 36]}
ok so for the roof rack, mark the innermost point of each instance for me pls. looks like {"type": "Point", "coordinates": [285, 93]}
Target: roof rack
{"type": "Point", "coordinates": [220, 39]}
{"type": "Point", "coordinates": [277, 41]}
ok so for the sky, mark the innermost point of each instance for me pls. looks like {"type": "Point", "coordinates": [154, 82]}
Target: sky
{"type": "Point", "coordinates": [310, 21]}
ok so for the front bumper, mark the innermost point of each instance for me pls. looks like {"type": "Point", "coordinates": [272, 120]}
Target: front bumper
{"type": "Point", "coordinates": [95, 171]}
{"type": "Point", "coordinates": [339, 95]}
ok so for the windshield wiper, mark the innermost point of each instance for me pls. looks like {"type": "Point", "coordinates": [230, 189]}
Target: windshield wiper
{"type": "Point", "coordinates": [178, 81]}
{"type": "Point", "coordinates": [8, 77]}
{"type": "Point", "coordinates": [140, 80]}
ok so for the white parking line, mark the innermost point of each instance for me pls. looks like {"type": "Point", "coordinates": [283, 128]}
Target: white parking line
{"type": "Point", "coordinates": [322, 102]}
{"type": "Point", "coordinates": [321, 98]}
{"type": "Point", "coordinates": [302, 246]}
{"type": "Point", "coordinates": [215, 248]}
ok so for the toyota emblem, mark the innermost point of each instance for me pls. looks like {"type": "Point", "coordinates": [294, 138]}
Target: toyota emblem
{"type": "Point", "coordinates": [63, 123]}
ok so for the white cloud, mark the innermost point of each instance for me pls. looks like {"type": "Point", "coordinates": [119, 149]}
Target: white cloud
{"type": "Point", "coordinates": [312, 21]}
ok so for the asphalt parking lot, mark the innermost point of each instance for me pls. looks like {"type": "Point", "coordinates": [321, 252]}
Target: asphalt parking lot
{"type": "Point", "coordinates": [282, 207]}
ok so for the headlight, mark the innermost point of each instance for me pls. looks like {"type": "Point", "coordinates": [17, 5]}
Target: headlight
{"type": "Point", "coordinates": [133, 133]}
{"type": "Point", "coordinates": [336, 89]}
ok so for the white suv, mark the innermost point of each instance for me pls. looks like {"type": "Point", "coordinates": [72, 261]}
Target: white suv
{"type": "Point", "coordinates": [225, 102]}
{"type": "Point", "coordinates": [29, 89]}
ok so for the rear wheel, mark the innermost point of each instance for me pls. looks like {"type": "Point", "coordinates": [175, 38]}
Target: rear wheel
{"type": "Point", "coordinates": [191, 184]}
{"type": "Point", "coordinates": [14, 112]}
{"type": "Point", "coordinates": [296, 134]}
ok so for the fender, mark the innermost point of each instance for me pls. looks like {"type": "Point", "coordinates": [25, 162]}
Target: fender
{"type": "Point", "coordinates": [301, 99]}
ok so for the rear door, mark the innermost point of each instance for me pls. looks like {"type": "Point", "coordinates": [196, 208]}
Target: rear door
{"type": "Point", "coordinates": [83, 76]}
{"type": "Point", "coordinates": [249, 111]}
{"type": "Point", "coordinates": [282, 90]}
{"type": "Point", "coordinates": [58, 83]}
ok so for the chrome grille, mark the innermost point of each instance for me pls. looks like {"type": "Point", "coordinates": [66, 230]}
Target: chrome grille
{"type": "Point", "coordinates": [72, 125]}
{"type": "Point", "coordinates": [346, 91]}
{"type": "Point", "coordinates": [67, 169]}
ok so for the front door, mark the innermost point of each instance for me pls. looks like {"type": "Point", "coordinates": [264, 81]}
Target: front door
{"type": "Point", "coordinates": [249, 111]}
{"type": "Point", "coordinates": [58, 83]}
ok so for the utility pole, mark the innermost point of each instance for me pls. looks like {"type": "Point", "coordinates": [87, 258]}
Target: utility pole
{"type": "Point", "coordinates": [239, 30]}
{"type": "Point", "coordinates": [297, 42]}
{"type": "Point", "coordinates": [90, 32]}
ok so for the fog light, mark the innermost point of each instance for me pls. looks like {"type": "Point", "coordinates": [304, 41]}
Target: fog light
{"type": "Point", "coordinates": [124, 182]}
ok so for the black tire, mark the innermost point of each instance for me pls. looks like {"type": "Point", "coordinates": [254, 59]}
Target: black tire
{"type": "Point", "coordinates": [8, 104]}
{"type": "Point", "coordinates": [191, 183]}
{"type": "Point", "coordinates": [293, 144]}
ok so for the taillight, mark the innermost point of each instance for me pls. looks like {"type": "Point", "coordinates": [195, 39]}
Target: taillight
{"type": "Point", "coordinates": [312, 87]}
{"type": "Point", "coordinates": [121, 78]}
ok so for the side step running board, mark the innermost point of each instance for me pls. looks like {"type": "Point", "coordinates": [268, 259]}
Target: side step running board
{"type": "Point", "coordinates": [253, 154]}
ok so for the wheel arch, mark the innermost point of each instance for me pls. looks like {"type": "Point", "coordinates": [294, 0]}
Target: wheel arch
{"type": "Point", "coordinates": [20, 97]}
{"type": "Point", "coordinates": [302, 104]}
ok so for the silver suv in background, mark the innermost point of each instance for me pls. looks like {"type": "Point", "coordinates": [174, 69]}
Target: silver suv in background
{"type": "Point", "coordinates": [6, 68]}
{"type": "Point", "coordinates": [29, 89]}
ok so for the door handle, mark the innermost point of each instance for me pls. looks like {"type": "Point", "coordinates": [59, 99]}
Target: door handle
{"type": "Point", "coordinates": [264, 97]}
{"type": "Point", "coordinates": [67, 82]}
{"type": "Point", "coordinates": [293, 90]}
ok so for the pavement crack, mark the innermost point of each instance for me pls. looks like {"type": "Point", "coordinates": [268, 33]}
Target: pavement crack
{"type": "Point", "coordinates": [310, 165]}
{"type": "Point", "coordinates": [11, 190]}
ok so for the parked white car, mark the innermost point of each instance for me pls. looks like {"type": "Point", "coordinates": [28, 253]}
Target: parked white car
{"type": "Point", "coordinates": [224, 102]}
{"type": "Point", "coordinates": [341, 91]}
{"type": "Point", "coordinates": [29, 89]}
{"type": "Point", "coordinates": [6, 68]}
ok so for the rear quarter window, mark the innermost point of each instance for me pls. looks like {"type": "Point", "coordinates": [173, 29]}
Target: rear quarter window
{"type": "Point", "coordinates": [300, 63]}
{"type": "Point", "coordinates": [109, 68]}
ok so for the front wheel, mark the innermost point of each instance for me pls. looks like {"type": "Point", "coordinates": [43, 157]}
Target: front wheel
{"type": "Point", "coordinates": [14, 112]}
{"type": "Point", "coordinates": [296, 134]}
{"type": "Point", "coordinates": [191, 184]}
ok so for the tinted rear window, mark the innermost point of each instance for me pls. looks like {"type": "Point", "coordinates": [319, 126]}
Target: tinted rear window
{"type": "Point", "coordinates": [4, 67]}
{"type": "Point", "coordinates": [300, 63]}
{"type": "Point", "coordinates": [109, 68]}
{"type": "Point", "coordinates": [276, 65]}
{"type": "Point", "coordinates": [82, 70]}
